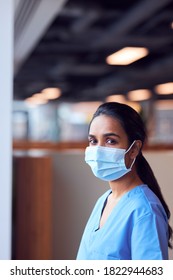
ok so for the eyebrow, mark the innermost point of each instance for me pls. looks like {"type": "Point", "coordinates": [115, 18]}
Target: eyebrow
{"type": "Point", "coordinates": [106, 135]}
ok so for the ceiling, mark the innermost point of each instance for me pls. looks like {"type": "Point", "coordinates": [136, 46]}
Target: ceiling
{"type": "Point", "coordinates": [65, 43]}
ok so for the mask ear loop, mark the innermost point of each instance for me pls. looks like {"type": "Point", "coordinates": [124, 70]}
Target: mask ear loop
{"type": "Point", "coordinates": [130, 147]}
{"type": "Point", "coordinates": [132, 164]}
{"type": "Point", "coordinates": [128, 151]}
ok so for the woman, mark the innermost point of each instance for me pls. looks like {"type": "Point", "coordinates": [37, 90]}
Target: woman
{"type": "Point", "coordinates": [129, 221]}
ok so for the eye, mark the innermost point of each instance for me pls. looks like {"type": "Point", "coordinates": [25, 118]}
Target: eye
{"type": "Point", "coordinates": [111, 141]}
{"type": "Point", "coordinates": [92, 141]}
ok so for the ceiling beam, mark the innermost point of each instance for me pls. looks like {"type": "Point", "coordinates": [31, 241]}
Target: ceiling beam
{"type": "Point", "coordinates": [32, 18]}
{"type": "Point", "coordinates": [122, 80]}
{"type": "Point", "coordinates": [132, 18]}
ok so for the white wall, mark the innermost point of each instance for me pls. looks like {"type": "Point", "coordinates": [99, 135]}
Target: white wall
{"type": "Point", "coordinates": [76, 191]}
{"type": "Point", "coordinates": [6, 78]}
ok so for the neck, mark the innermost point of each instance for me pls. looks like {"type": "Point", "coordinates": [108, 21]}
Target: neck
{"type": "Point", "coordinates": [124, 184]}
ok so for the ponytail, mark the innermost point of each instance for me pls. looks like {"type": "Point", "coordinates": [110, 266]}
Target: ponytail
{"type": "Point", "coordinates": [147, 176]}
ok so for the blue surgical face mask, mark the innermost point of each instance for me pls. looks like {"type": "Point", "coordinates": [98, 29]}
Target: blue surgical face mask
{"type": "Point", "coordinates": [107, 164]}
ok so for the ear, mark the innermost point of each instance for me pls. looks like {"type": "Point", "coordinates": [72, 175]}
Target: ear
{"type": "Point", "coordinates": [135, 149]}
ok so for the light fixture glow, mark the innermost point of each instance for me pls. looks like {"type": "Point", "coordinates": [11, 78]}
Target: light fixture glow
{"type": "Point", "coordinates": [139, 94]}
{"type": "Point", "coordinates": [39, 96]}
{"type": "Point", "coordinates": [116, 98]}
{"type": "Point", "coordinates": [164, 88]}
{"type": "Point", "coordinates": [126, 56]}
{"type": "Point", "coordinates": [51, 93]}
{"type": "Point", "coordinates": [121, 99]}
{"type": "Point", "coordinates": [135, 105]}
{"type": "Point", "coordinates": [35, 100]}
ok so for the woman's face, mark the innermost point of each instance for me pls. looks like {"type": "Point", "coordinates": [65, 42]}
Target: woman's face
{"type": "Point", "coordinates": [108, 132]}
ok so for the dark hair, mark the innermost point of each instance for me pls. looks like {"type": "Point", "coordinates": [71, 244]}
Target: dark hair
{"type": "Point", "coordinates": [135, 130]}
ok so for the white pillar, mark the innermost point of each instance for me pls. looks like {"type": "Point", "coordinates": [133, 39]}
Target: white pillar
{"type": "Point", "coordinates": [6, 88]}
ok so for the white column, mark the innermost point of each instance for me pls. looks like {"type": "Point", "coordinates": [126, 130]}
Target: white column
{"type": "Point", "coordinates": [6, 88]}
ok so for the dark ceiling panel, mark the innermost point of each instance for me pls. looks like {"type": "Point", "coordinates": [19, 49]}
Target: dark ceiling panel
{"type": "Point", "coordinates": [72, 52]}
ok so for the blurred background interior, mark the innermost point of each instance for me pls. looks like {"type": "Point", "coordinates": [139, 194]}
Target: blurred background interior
{"type": "Point", "coordinates": [69, 57]}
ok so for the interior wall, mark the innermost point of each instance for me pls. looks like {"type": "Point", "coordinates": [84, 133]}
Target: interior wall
{"type": "Point", "coordinates": [75, 191]}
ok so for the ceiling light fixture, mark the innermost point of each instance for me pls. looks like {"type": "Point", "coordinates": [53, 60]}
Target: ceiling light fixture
{"type": "Point", "coordinates": [36, 100]}
{"type": "Point", "coordinates": [121, 99]}
{"type": "Point", "coordinates": [51, 93]}
{"type": "Point", "coordinates": [166, 88]}
{"type": "Point", "coordinates": [135, 105]}
{"type": "Point", "coordinates": [139, 95]}
{"type": "Point", "coordinates": [116, 98]}
{"type": "Point", "coordinates": [126, 56]}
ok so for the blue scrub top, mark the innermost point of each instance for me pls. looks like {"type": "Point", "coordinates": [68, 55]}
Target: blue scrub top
{"type": "Point", "coordinates": [136, 229]}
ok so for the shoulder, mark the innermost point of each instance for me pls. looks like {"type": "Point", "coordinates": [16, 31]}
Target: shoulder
{"type": "Point", "coordinates": [144, 202]}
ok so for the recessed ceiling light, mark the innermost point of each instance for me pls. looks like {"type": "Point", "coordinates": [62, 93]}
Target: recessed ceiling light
{"type": "Point", "coordinates": [126, 56]}
{"type": "Point", "coordinates": [139, 94]}
{"type": "Point", "coordinates": [34, 100]}
{"type": "Point", "coordinates": [135, 105]}
{"type": "Point", "coordinates": [166, 88]}
{"type": "Point", "coordinates": [121, 99]}
{"type": "Point", "coordinates": [39, 96]}
{"type": "Point", "coordinates": [116, 98]}
{"type": "Point", "coordinates": [51, 93]}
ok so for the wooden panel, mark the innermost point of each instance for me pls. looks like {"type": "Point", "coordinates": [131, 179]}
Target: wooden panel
{"type": "Point", "coordinates": [32, 217]}
{"type": "Point", "coordinates": [27, 145]}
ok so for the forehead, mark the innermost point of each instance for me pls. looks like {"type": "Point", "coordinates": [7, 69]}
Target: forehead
{"type": "Point", "coordinates": [104, 124]}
